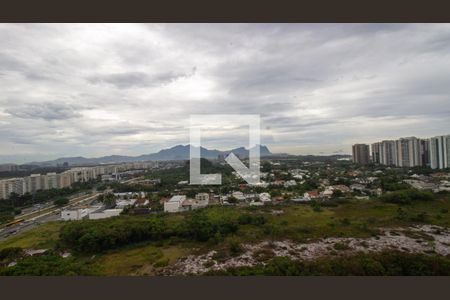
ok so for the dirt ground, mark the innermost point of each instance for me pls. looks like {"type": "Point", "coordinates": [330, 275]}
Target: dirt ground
{"type": "Point", "coordinates": [417, 239]}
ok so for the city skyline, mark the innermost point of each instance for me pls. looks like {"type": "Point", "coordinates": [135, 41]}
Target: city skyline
{"type": "Point", "coordinates": [384, 151]}
{"type": "Point", "coordinates": [128, 89]}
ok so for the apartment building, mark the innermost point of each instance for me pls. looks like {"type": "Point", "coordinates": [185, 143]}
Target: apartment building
{"type": "Point", "coordinates": [51, 180]}
{"type": "Point", "coordinates": [388, 153]}
{"type": "Point", "coordinates": [8, 167]}
{"type": "Point", "coordinates": [361, 154]}
{"type": "Point", "coordinates": [33, 183]}
{"type": "Point", "coordinates": [440, 152]}
{"type": "Point", "coordinates": [12, 185]}
{"type": "Point", "coordinates": [412, 152]}
{"type": "Point", "coordinates": [425, 152]}
{"type": "Point", "coordinates": [376, 149]}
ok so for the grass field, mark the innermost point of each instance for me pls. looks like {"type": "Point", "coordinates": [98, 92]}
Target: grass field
{"type": "Point", "coordinates": [44, 236]}
{"type": "Point", "coordinates": [297, 222]}
{"type": "Point", "coordinates": [356, 218]}
{"type": "Point", "coordinates": [137, 260]}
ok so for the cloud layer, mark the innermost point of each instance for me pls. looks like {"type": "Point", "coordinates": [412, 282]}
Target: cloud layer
{"type": "Point", "coordinates": [100, 89]}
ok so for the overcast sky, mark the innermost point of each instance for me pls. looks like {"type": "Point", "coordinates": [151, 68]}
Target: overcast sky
{"type": "Point", "coordinates": [94, 90]}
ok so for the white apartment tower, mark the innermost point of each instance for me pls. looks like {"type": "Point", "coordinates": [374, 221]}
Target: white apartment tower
{"type": "Point", "coordinates": [408, 152]}
{"type": "Point", "coordinates": [33, 183]}
{"type": "Point", "coordinates": [52, 181]}
{"type": "Point", "coordinates": [440, 152]}
{"type": "Point", "coordinates": [12, 185]}
{"type": "Point", "coordinates": [376, 148]}
{"type": "Point", "coordinates": [388, 153]}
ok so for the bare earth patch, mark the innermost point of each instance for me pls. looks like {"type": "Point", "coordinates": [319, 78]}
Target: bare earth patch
{"type": "Point", "coordinates": [417, 239]}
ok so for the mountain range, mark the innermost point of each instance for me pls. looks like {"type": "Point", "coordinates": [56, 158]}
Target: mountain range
{"type": "Point", "coordinates": [179, 152]}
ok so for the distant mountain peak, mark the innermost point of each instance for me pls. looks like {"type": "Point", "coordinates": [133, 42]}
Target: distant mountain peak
{"type": "Point", "coordinates": [177, 152]}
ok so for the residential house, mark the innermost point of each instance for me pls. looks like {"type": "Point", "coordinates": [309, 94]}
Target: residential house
{"type": "Point", "coordinates": [174, 204]}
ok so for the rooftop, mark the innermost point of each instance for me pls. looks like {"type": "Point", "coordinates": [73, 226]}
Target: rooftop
{"type": "Point", "coordinates": [177, 198]}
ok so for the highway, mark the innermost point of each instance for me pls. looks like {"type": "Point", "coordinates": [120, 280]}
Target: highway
{"type": "Point", "coordinates": [50, 213]}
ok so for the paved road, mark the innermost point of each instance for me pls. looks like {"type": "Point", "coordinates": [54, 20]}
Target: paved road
{"type": "Point", "coordinates": [42, 207]}
{"type": "Point", "coordinates": [51, 213]}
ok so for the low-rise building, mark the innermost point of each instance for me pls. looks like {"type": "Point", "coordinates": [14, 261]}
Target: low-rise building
{"type": "Point", "coordinates": [420, 185]}
{"type": "Point", "coordinates": [109, 177]}
{"type": "Point", "coordinates": [290, 183]}
{"type": "Point", "coordinates": [74, 214]}
{"type": "Point", "coordinates": [265, 197]}
{"type": "Point", "coordinates": [357, 187]}
{"type": "Point", "coordinates": [120, 204]}
{"type": "Point", "coordinates": [305, 198]}
{"type": "Point", "coordinates": [343, 188]}
{"type": "Point", "coordinates": [256, 203]}
{"type": "Point", "coordinates": [314, 194]}
{"type": "Point", "coordinates": [202, 197]}
{"type": "Point", "coordinates": [174, 204]}
{"type": "Point", "coordinates": [107, 213]}
{"type": "Point", "coordinates": [327, 193]}
{"type": "Point", "coordinates": [201, 200]}
{"type": "Point", "coordinates": [238, 195]}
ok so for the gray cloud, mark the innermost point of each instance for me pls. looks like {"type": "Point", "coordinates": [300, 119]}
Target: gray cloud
{"type": "Point", "coordinates": [137, 79]}
{"type": "Point", "coordinates": [47, 111]}
{"type": "Point", "coordinates": [129, 88]}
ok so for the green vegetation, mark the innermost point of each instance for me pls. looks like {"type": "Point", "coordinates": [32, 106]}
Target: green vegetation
{"type": "Point", "coordinates": [48, 265]}
{"type": "Point", "coordinates": [407, 196]}
{"type": "Point", "coordinates": [138, 259]}
{"type": "Point", "coordinates": [93, 236]}
{"type": "Point", "coordinates": [61, 201]}
{"type": "Point", "coordinates": [357, 218]}
{"type": "Point", "coordinates": [10, 253]}
{"type": "Point", "coordinates": [108, 200]}
{"type": "Point", "coordinates": [44, 236]}
{"type": "Point", "coordinates": [374, 264]}
{"type": "Point", "coordinates": [143, 245]}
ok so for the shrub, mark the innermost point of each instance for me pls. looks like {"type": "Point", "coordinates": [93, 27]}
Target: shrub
{"type": "Point", "coordinates": [407, 196]}
{"type": "Point", "coordinates": [61, 201]}
{"type": "Point", "coordinates": [345, 221]}
{"type": "Point", "coordinates": [11, 253]}
{"type": "Point", "coordinates": [251, 219]}
{"type": "Point", "coordinates": [420, 217]}
{"type": "Point", "coordinates": [163, 262]}
{"type": "Point", "coordinates": [317, 208]}
{"type": "Point", "coordinates": [389, 263]}
{"type": "Point", "coordinates": [341, 246]}
{"type": "Point", "coordinates": [48, 265]}
{"type": "Point", "coordinates": [235, 247]}
{"type": "Point", "coordinates": [93, 236]}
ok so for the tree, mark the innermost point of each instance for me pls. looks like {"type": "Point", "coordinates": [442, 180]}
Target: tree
{"type": "Point", "coordinates": [61, 201]}
{"type": "Point", "coordinates": [109, 200]}
{"type": "Point", "coordinates": [266, 167]}
{"type": "Point", "coordinates": [337, 193]}
{"type": "Point", "coordinates": [232, 199]}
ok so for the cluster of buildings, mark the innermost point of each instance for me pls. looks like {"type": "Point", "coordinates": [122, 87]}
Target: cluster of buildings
{"type": "Point", "coordinates": [406, 152]}
{"type": "Point", "coordinates": [90, 212]}
{"type": "Point", "coordinates": [36, 182]}
{"type": "Point", "coordinates": [179, 203]}
{"type": "Point", "coordinates": [436, 182]}
{"type": "Point", "coordinates": [99, 211]}
{"type": "Point", "coordinates": [8, 168]}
